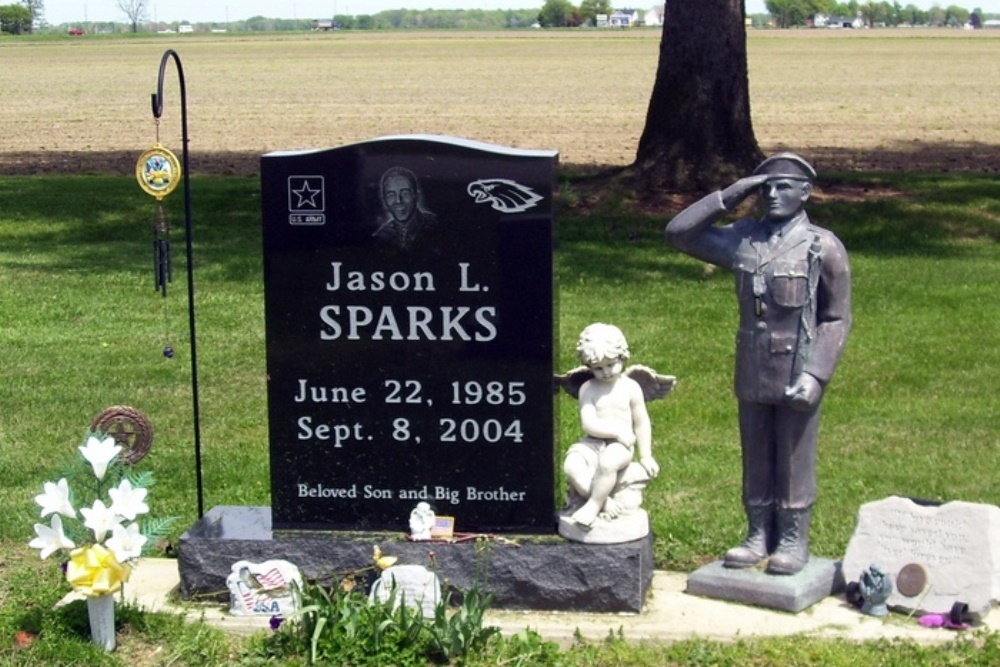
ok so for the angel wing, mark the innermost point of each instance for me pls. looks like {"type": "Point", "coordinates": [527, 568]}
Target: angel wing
{"type": "Point", "coordinates": [653, 384]}
{"type": "Point", "coordinates": [571, 381]}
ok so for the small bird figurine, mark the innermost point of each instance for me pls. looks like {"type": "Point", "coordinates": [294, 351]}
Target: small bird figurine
{"type": "Point", "coordinates": [382, 562]}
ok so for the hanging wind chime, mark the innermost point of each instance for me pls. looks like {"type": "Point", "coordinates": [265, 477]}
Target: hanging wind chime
{"type": "Point", "coordinates": [159, 172]}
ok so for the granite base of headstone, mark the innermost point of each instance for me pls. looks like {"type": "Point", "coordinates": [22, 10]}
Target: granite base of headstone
{"type": "Point", "coordinates": [937, 555]}
{"type": "Point", "coordinates": [819, 579]}
{"type": "Point", "coordinates": [532, 572]}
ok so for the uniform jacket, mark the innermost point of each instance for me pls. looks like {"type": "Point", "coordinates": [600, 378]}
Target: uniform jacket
{"type": "Point", "coordinates": [794, 296]}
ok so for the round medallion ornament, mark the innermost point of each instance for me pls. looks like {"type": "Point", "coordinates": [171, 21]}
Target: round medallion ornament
{"type": "Point", "coordinates": [130, 428]}
{"type": "Point", "coordinates": [158, 171]}
{"type": "Point", "coordinates": [911, 580]}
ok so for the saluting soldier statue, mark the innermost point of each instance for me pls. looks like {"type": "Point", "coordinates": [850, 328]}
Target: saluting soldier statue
{"type": "Point", "coordinates": [793, 285]}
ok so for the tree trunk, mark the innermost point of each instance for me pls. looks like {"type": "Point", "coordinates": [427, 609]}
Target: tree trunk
{"type": "Point", "coordinates": [698, 134]}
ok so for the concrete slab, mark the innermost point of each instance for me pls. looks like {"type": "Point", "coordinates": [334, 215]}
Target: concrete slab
{"type": "Point", "coordinates": [669, 615]}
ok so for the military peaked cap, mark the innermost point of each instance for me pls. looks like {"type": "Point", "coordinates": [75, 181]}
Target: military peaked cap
{"type": "Point", "coordinates": [786, 165]}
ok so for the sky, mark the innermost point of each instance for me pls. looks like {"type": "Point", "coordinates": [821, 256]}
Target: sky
{"type": "Point", "coordinates": [196, 11]}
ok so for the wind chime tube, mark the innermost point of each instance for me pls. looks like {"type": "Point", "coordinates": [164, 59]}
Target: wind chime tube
{"type": "Point", "coordinates": [156, 265]}
{"type": "Point", "coordinates": [168, 249]}
{"type": "Point", "coordinates": [162, 255]}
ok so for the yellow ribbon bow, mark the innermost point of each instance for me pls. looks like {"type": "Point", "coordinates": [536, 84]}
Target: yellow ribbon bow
{"type": "Point", "coordinates": [94, 570]}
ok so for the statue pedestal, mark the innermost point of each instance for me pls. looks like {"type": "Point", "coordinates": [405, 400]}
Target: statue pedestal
{"type": "Point", "coordinates": [522, 571]}
{"type": "Point", "coordinates": [820, 578]}
{"type": "Point", "coordinates": [626, 528]}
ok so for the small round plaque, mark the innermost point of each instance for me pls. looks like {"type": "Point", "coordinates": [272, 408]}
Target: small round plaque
{"type": "Point", "coordinates": [158, 171]}
{"type": "Point", "coordinates": [911, 580]}
{"type": "Point", "coordinates": [130, 428]}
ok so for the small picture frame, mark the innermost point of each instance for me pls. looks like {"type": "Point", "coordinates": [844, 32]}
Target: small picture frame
{"type": "Point", "coordinates": [444, 527]}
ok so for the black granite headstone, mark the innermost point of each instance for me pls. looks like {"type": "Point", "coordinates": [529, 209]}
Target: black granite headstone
{"type": "Point", "coordinates": [410, 327]}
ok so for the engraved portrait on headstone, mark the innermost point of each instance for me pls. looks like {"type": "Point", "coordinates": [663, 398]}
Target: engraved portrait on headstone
{"type": "Point", "coordinates": [405, 215]}
{"type": "Point", "coordinates": [793, 289]}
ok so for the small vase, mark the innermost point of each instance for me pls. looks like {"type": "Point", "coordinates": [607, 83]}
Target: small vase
{"type": "Point", "coordinates": [101, 610]}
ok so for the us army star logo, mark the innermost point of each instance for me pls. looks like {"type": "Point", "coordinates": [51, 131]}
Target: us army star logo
{"type": "Point", "coordinates": [305, 193]}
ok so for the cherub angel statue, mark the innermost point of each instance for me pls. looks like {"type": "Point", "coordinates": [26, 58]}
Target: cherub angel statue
{"type": "Point", "coordinates": [605, 483]}
{"type": "Point", "coordinates": [421, 521]}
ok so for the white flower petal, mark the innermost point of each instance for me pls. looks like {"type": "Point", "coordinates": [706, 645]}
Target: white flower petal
{"type": "Point", "coordinates": [100, 453]}
{"type": "Point", "coordinates": [128, 502]}
{"type": "Point", "coordinates": [55, 499]}
{"type": "Point", "coordinates": [50, 538]}
{"type": "Point", "coordinates": [99, 519]}
{"type": "Point", "coordinates": [126, 542]}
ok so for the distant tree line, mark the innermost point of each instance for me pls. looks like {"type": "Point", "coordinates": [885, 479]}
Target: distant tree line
{"type": "Point", "coordinates": [462, 19]}
{"type": "Point", "coordinates": [15, 19]}
{"type": "Point", "coordinates": [553, 14]}
{"type": "Point", "coordinates": [21, 17]}
{"type": "Point", "coordinates": [790, 13]}
{"type": "Point", "coordinates": [395, 19]}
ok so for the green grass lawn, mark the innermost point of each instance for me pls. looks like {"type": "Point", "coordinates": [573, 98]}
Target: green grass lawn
{"type": "Point", "coordinates": [911, 410]}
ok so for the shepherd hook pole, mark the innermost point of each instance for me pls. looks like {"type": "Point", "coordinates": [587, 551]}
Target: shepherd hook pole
{"type": "Point", "coordinates": [157, 100]}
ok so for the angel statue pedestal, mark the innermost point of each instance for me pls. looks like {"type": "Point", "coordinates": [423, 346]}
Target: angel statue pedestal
{"type": "Point", "coordinates": [631, 524]}
{"type": "Point", "coordinates": [604, 500]}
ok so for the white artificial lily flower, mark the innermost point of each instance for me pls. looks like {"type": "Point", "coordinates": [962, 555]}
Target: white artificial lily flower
{"type": "Point", "coordinates": [100, 453]}
{"type": "Point", "coordinates": [128, 502]}
{"type": "Point", "coordinates": [55, 499]}
{"type": "Point", "coordinates": [99, 519]}
{"type": "Point", "coordinates": [126, 542]}
{"type": "Point", "coordinates": [50, 539]}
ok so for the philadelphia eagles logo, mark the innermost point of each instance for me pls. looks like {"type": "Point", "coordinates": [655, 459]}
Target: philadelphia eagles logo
{"type": "Point", "coordinates": [503, 195]}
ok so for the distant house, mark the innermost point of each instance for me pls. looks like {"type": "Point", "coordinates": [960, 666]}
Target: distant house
{"type": "Point", "coordinates": [824, 21]}
{"type": "Point", "coordinates": [624, 18]}
{"type": "Point", "coordinates": [653, 17]}
{"type": "Point", "coordinates": [185, 27]}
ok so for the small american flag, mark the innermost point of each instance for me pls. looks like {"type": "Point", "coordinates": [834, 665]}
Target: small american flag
{"type": "Point", "coordinates": [272, 579]}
